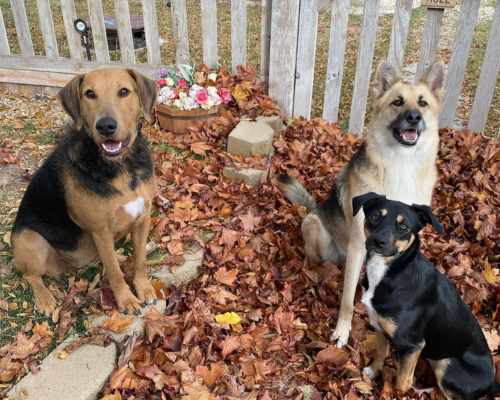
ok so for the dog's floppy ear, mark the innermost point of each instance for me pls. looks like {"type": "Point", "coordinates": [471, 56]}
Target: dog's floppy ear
{"type": "Point", "coordinates": [148, 92]}
{"type": "Point", "coordinates": [427, 217]}
{"type": "Point", "coordinates": [434, 79]}
{"type": "Point", "coordinates": [385, 77]}
{"type": "Point", "coordinates": [69, 98]}
{"type": "Point", "coordinates": [363, 200]}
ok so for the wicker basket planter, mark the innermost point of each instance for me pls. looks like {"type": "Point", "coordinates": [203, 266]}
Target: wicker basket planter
{"type": "Point", "coordinates": [177, 121]}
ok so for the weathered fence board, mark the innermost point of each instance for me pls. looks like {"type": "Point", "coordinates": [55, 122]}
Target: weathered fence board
{"type": "Point", "coordinates": [336, 53]}
{"type": "Point", "coordinates": [458, 61]}
{"type": "Point", "coordinates": [430, 40]}
{"type": "Point", "coordinates": [364, 66]}
{"type": "Point", "coordinates": [74, 41]}
{"type": "Point", "coordinates": [238, 33]}
{"type": "Point", "coordinates": [151, 32]}
{"type": "Point", "coordinates": [181, 31]}
{"type": "Point", "coordinates": [4, 41]}
{"type": "Point", "coordinates": [22, 27]}
{"type": "Point", "coordinates": [39, 79]}
{"type": "Point", "coordinates": [283, 52]}
{"type": "Point", "coordinates": [265, 36]}
{"type": "Point", "coordinates": [306, 52]}
{"type": "Point", "coordinates": [47, 26]}
{"type": "Point", "coordinates": [209, 30]}
{"type": "Point", "coordinates": [99, 36]}
{"type": "Point", "coordinates": [488, 77]}
{"type": "Point", "coordinates": [399, 34]}
{"type": "Point", "coordinates": [124, 28]}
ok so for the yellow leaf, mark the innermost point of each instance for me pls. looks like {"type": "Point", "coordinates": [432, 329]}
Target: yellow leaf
{"type": "Point", "coordinates": [238, 93]}
{"type": "Point", "coordinates": [62, 354]}
{"type": "Point", "coordinates": [117, 324]}
{"type": "Point", "coordinates": [228, 318]}
{"type": "Point", "coordinates": [490, 274]}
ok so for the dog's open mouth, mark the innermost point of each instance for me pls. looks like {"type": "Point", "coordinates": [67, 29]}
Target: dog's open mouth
{"type": "Point", "coordinates": [113, 149]}
{"type": "Point", "coordinates": [408, 137]}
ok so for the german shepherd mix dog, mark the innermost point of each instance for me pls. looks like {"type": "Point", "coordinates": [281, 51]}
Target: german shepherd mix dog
{"type": "Point", "coordinates": [96, 187]}
{"type": "Point", "coordinates": [398, 160]}
{"type": "Point", "coordinates": [416, 307]}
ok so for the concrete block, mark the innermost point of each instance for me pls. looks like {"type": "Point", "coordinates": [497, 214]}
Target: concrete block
{"type": "Point", "coordinates": [185, 272]}
{"type": "Point", "coordinates": [251, 175]}
{"type": "Point", "coordinates": [251, 137]}
{"type": "Point", "coordinates": [274, 121]}
{"type": "Point", "coordinates": [80, 376]}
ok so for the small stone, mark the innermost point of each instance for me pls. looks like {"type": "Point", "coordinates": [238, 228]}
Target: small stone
{"type": "Point", "coordinates": [250, 175]}
{"type": "Point", "coordinates": [274, 121]}
{"type": "Point", "coordinates": [251, 137]}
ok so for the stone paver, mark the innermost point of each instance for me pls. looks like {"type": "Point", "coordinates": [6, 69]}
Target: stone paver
{"type": "Point", "coordinates": [251, 175]}
{"type": "Point", "coordinates": [274, 121]}
{"type": "Point", "coordinates": [251, 137]}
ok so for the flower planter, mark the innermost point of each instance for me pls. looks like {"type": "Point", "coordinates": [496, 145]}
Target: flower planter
{"type": "Point", "coordinates": [177, 121]}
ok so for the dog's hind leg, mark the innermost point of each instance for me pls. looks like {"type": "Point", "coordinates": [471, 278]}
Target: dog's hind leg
{"type": "Point", "coordinates": [34, 257]}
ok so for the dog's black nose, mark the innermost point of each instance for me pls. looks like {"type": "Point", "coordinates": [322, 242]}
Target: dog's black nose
{"type": "Point", "coordinates": [413, 116]}
{"type": "Point", "coordinates": [106, 126]}
{"type": "Point", "coordinates": [379, 242]}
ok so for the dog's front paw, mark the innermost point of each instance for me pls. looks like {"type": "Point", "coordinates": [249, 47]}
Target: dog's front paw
{"type": "Point", "coordinates": [341, 333]}
{"type": "Point", "coordinates": [372, 373]}
{"type": "Point", "coordinates": [46, 303]}
{"type": "Point", "coordinates": [145, 292]}
{"type": "Point", "coordinates": [127, 302]}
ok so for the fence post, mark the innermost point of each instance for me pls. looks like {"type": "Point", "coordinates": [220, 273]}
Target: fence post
{"type": "Point", "coordinates": [336, 54]}
{"type": "Point", "coordinates": [488, 77]}
{"type": "Point", "coordinates": [430, 40]}
{"type": "Point", "coordinates": [99, 36]}
{"type": "Point", "coordinates": [151, 32]}
{"type": "Point", "coordinates": [125, 32]}
{"type": "Point", "coordinates": [74, 41]}
{"type": "Point", "coordinates": [181, 31]}
{"type": "Point", "coordinates": [265, 36]}
{"type": "Point", "coordinates": [399, 34]}
{"type": "Point", "coordinates": [306, 51]}
{"type": "Point", "coordinates": [283, 52]}
{"type": "Point", "coordinates": [47, 26]}
{"type": "Point", "coordinates": [209, 29]}
{"type": "Point", "coordinates": [458, 61]}
{"type": "Point", "coordinates": [364, 66]}
{"type": "Point", "coordinates": [22, 27]}
{"type": "Point", "coordinates": [238, 33]}
{"type": "Point", "coordinates": [4, 41]}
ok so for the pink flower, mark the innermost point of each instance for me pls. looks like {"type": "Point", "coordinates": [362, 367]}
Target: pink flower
{"type": "Point", "coordinates": [225, 95]}
{"type": "Point", "coordinates": [175, 96]}
{"type": "Point", "coordinates": [182, 82]}
{"type": "Point", "coordinates": [201, 97]}
{"type": "Point", "coordinates": [162, 82]}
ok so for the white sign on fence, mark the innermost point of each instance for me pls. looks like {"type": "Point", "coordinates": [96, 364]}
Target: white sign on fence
{"type": "Point", "coordinates": [439, 3]}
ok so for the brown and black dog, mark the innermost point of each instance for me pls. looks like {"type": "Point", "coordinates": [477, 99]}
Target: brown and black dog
{"type": "Point", "coordinates": [96, 187]}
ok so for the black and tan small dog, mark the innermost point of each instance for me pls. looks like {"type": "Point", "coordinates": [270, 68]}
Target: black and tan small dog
{"type": "Point", "coordinates": [416, 307]}
{"type": "Point", "coordinates": [97, 186]}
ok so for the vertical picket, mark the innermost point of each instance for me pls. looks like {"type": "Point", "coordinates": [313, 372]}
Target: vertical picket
{"type": "Point", "coordinates": [458, 61]}
{"type": "Point", "coordinates": [306, 51]}
{"type": "Point", "coordinates": [4, 40]}
{"type": "Point", "coordinates": [430, 40]}
{"type": "Point", "coordinates": [181, 31]}
{"type": "Point", "coordinates": [124, 28]}
{"type": "Point", "coordinates": [336, 53]}
{"type": "Point", "coordinates": [47, 26]}
{"type": "Point", "coordinates": [209, 30]}
{"type": "Point", "coordinates": [364, 66]}
{"type": "Point", "coordinates": [151, 32]}
{"type": "Point", "coordinates": [74, 41]}
{"type": "Point", "coordinates": [99, 36]}
{"type": "Point", "coordinates": [399, 34]}
{"type": "Point", "coordinates": [488, 77]}
{"type": "Point", "coordinates": [265, 36]}
{"type": "Point", "coordinates": [238, 33]}
{"type": "Point", "coordinates": [22, 27]}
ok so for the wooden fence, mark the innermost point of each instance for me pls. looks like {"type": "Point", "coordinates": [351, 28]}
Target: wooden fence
{"type": "Point", "coordinates": [288, 37]}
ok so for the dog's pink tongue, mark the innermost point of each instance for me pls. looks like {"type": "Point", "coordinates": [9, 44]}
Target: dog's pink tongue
{"type": "Point", "coordinates": [409, 134]}
{"type": "Point", "coordinates": [111, 145]}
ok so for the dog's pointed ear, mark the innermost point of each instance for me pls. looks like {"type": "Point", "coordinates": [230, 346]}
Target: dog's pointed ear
{"type": "Point", "coordinates": [434, 79]}
{"type": "Point", "coordinates": [69, 98]}
{"type": "Point", "coordinates": [427, 217]}
{"type": "Point", "coordinates": [363, 200]}
{"type": "Point", "coordinates": [148, 92]}
{"type": "Point", "coordinates": [385, 77]}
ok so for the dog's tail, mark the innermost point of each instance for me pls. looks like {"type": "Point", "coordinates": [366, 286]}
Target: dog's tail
{"type": "Point", "coordinates": [495, 388]}
{"type": "Point", "coordinates": [295, 192]}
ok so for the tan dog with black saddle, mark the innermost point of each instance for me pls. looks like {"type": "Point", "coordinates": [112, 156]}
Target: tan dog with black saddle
{"type": "Point", "coordinates": [96, 187]}
{"type": "Point", "coordinates": [398, 160]}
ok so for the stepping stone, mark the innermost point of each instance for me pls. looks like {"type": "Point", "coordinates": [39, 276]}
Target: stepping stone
{"type": "Point", "coordinates": [251, 137]}
{"type": "Point", "coordinates": [274, 121]}
{"type": "Point", "coordinates": [251, 175]}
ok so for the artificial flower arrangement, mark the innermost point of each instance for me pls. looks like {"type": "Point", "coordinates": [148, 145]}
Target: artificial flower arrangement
{"type": "Point", "coordinates": [189, 89]}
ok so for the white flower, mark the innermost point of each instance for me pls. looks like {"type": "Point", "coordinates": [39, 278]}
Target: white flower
{"type": "Point", "coordinates": [211, 90]}
{"type": "Point", "coordinates": [170, 81]}
{"type": "Point", "coordinates": [178, 103]}
{"type": "Point", "coordinates": [212, 76]}
{"type": "Point", "coordinates": [164, 89]}
{"type": "Point", "coordinates": [208, 104]}
{"type": "Point", "coordinates": [216, 99]}
{"type": "Point", "coordinates": [183, 96]}
{"type": "Point", "coordinates": [190, 104]}
{"type": "Point", "coordinates": [196, 88]}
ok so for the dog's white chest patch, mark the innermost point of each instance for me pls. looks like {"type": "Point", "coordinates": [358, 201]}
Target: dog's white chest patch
{"type": "Point", "coordinates": [375, 271]}
{"type": "Point", "coordinates": [135, 207]}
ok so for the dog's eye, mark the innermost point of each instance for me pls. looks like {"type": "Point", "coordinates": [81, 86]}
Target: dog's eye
{"type": "Point", "coordinates": [90, 94]}
{"type": "Point", "coordinates": [124, 92]}
{"type": "Point", "coordinates": [423, 103]}
{"type": "Point", "coordinates": [403, 226]}
{"type": "Point", "coordinates": [397, 103]}
{"type": "Point", "coordinates": [375, 217]}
